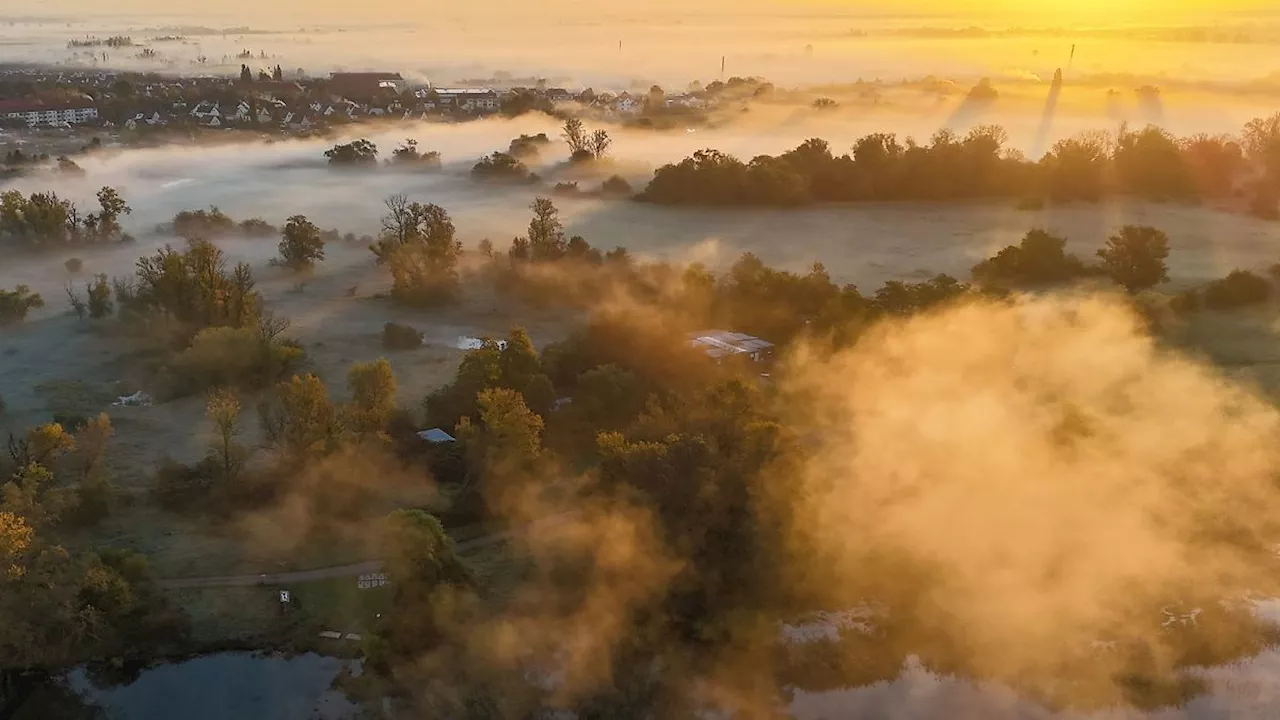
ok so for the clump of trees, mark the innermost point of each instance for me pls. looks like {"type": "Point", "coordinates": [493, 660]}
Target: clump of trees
{"type": "Point", "coordinates": [16, 303]}
{"type": "Point", "coordinates": [203, 224]}
{"type": "Point", "coordinates": [501, 167]}
{"type": "Point", "coordinates": [527, 147]}
{"type": "Point", "coordinates": [419, 247]}
{"type": "Point", "coordinates": [585, 146]}
{"type": "Point", "coordinates": [407, 155]}
{"type": "Point", "coordinates": [357, 153]}
{"type": "Point", "coordinates": [1040, 259]}
{"type": "Point", "coordinates": [302, 245]}
{"type": "Point", "coordinates": [45, 220]}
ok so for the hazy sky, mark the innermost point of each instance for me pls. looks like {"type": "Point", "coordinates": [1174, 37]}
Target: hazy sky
{"type": "Point", "coordinates": [388, 11]}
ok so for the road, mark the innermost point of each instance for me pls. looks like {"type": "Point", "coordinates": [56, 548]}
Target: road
{"type": "Point", "coordinates": [337, 571]}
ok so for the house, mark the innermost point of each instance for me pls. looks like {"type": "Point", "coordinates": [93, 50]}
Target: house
{"type": "Point", "coordinates": [720, 344]}
{"type": "Point", "coordinates": [469, 99]}
{"type": "Point", "coordinates": [215, 121]}
{"type": "Point", "coordinates": [624, 103]}
{"type": "Point", "coordinates": [156, 119]}
{"type": "Point", "coordinates": [37, 112]}
{"type": "Point", "coordinates": [559, 95]}
{"type": "Point", "coordinates": [264, 117]}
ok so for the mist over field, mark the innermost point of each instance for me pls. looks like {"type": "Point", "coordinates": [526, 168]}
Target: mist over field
{"type": "Point", "coordinates": [1006, 449]}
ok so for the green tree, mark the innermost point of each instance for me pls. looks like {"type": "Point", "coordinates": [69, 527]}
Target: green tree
{"type": "Point", "coordinates": [1135, 257]}
{"type": "Point", "coordinates": [1040, 258]}
{"type": "Point", "coordinates": [302, 244]}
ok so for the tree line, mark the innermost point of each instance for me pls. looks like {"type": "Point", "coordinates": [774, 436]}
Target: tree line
{"type": "Point", "coordinates": [1150, 164]}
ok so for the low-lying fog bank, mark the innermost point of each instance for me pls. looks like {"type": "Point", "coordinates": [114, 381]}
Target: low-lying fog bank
{"type": "Point", "coordinates": [864, 244]}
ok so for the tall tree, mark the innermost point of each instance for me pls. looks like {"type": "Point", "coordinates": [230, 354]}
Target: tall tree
{"type": "Point", "coordinates": [373, 396]}
{"type": "Point", "coordinates": [301, 244]}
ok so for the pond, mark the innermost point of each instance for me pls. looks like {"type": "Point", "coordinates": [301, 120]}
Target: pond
{"type": "Point", "coordinates": [243, 686]}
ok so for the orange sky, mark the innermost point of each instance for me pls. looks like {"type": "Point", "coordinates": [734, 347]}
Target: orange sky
{"type": "Point", "coordinates": [1090, 11]}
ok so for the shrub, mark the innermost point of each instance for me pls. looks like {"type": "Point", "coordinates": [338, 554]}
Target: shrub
{"type": "Point", "coordinates": [400, 337]}
{"type": "Point", "coordinates": [502, 167]}
{"type": "Point", "coordinates": [257, 227]}
{"type": "Point", "coordinates": [99, 293]}
{"type": "Point", "coordinates": [1185, 303]}
{"type": "Point", "coordinates": [15, 303]}
{"type": "Point", "coordinates": [74, 265]}
{"type": "Point", "coordinates": [616, 185]}
{"type": "Point", "coordinates": [1238, 289]}
{"type": "Point", "coordinates": [225, 356]}
{"type": "Point", "coordinates": [566, 188]}
{"type": "Point", "coordinates": [181, 488]}
{"type": "Point", "coordinates": [1030, 204]}
{"type": "Point", "coordinates": [358, 153]}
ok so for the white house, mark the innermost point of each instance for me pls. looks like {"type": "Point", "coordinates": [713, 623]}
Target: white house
{"type": "Point", "coordinates": [624, 103]}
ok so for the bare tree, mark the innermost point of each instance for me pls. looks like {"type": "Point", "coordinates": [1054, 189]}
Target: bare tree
{"type": "Point", "coordinates": [576, 136]}
{"type": "Point", "coordinates": [599, 144]}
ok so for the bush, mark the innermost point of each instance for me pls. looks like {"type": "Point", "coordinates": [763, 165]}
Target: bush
{"type": "Point", "coordinates": [1030, 204]}
{"type": "Point", "coordinates": [99, 292]}
{"type": "Point", "coordinates": [237, 357]}
{"type": "Point", "coordinates": [358, 153]}
{"type": "Point", "coordinates": [1185, 303]}
{"type": "Point", "coordinates": [616, 185]}
{"type": "Point", "coordinates": [15, 303]}
{"type": "Point", "coordinates": [1238, 289]}
{"type": "Point", "coordinates": [181, 488]}
{"type": "Point", "coordinates": [400, 337]}
{"type": "Point", "coordinates": [257, 227]}
{"type": "Point", "coordinates": [74, 265]}
{"type": "Point", "coordinates": [501, 167]}
{"type": "Point", "coordinates": [566, 188]}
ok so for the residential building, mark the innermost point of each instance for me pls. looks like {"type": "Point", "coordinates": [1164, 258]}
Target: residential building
{"type": "Point", "coordinates": [365, 85]}
{"type": "Point", "coordinates": [35, 112]}
{"type": "Point", "coordinates": [468, 99]}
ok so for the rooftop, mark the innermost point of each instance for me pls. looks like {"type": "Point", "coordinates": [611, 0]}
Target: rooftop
{"type": "Point", "coordinates": [722, 343]}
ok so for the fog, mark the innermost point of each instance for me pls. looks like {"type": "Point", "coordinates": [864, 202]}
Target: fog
{"type": "Point", "coordinates": [617, 46]}
{"type": "Point", "coordinates": [864, 244]}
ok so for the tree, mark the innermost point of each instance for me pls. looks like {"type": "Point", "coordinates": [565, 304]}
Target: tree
{"type": "Point", "coordinates": [277, 74]}
{"type": "Point", "coordinates": [505, 443]}
{"type": "Point", "coordinates": [599, 145]}
{"type": "Point", "coordinates": [108, 219]}
{"type": "Point", "coordinates": [419, 247]}
{"type": "Point", "coordinates": [223, 409]}
{"type": "Point", "coordinates": [246, 75]}
{"type": "Point", "coordinates": [500, 167]}
{"type": "Point", "coordinates": [1238, 289]}
{"type": "Point", "coordinates": [575, 135]}
{"type": "Point", "coordinates": [93, 486]}
{"type": "Point", "coordinates": [358, 153]}
{"type": "Point", "coordinates": [302, 421]}
{"type": "Point", "coordinates": [302, 244]}
{"type": "Point", "coordinates": [1040, 258]}
{"type": "Point", "coordinates": [546, 233]}
{"type": "Point", "coordinates": [1135, 257]}
{"type": "Point", "coordinates": [1262, 143]}
{"type": "Point", "coordinates": [373, 396]}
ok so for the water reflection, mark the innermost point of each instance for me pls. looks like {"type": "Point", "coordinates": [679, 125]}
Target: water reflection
{"type": "Point", "coordinates": [243, 686]}
{"type": "Point", "coordinates": [1248, 689]}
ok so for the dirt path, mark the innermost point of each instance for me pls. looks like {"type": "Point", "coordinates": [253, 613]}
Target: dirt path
{"type": "Point", "coordinates": [337, 571]}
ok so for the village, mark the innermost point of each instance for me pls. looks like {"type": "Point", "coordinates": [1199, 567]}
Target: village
{"type": "Point", "coordinates": [267, 101]}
